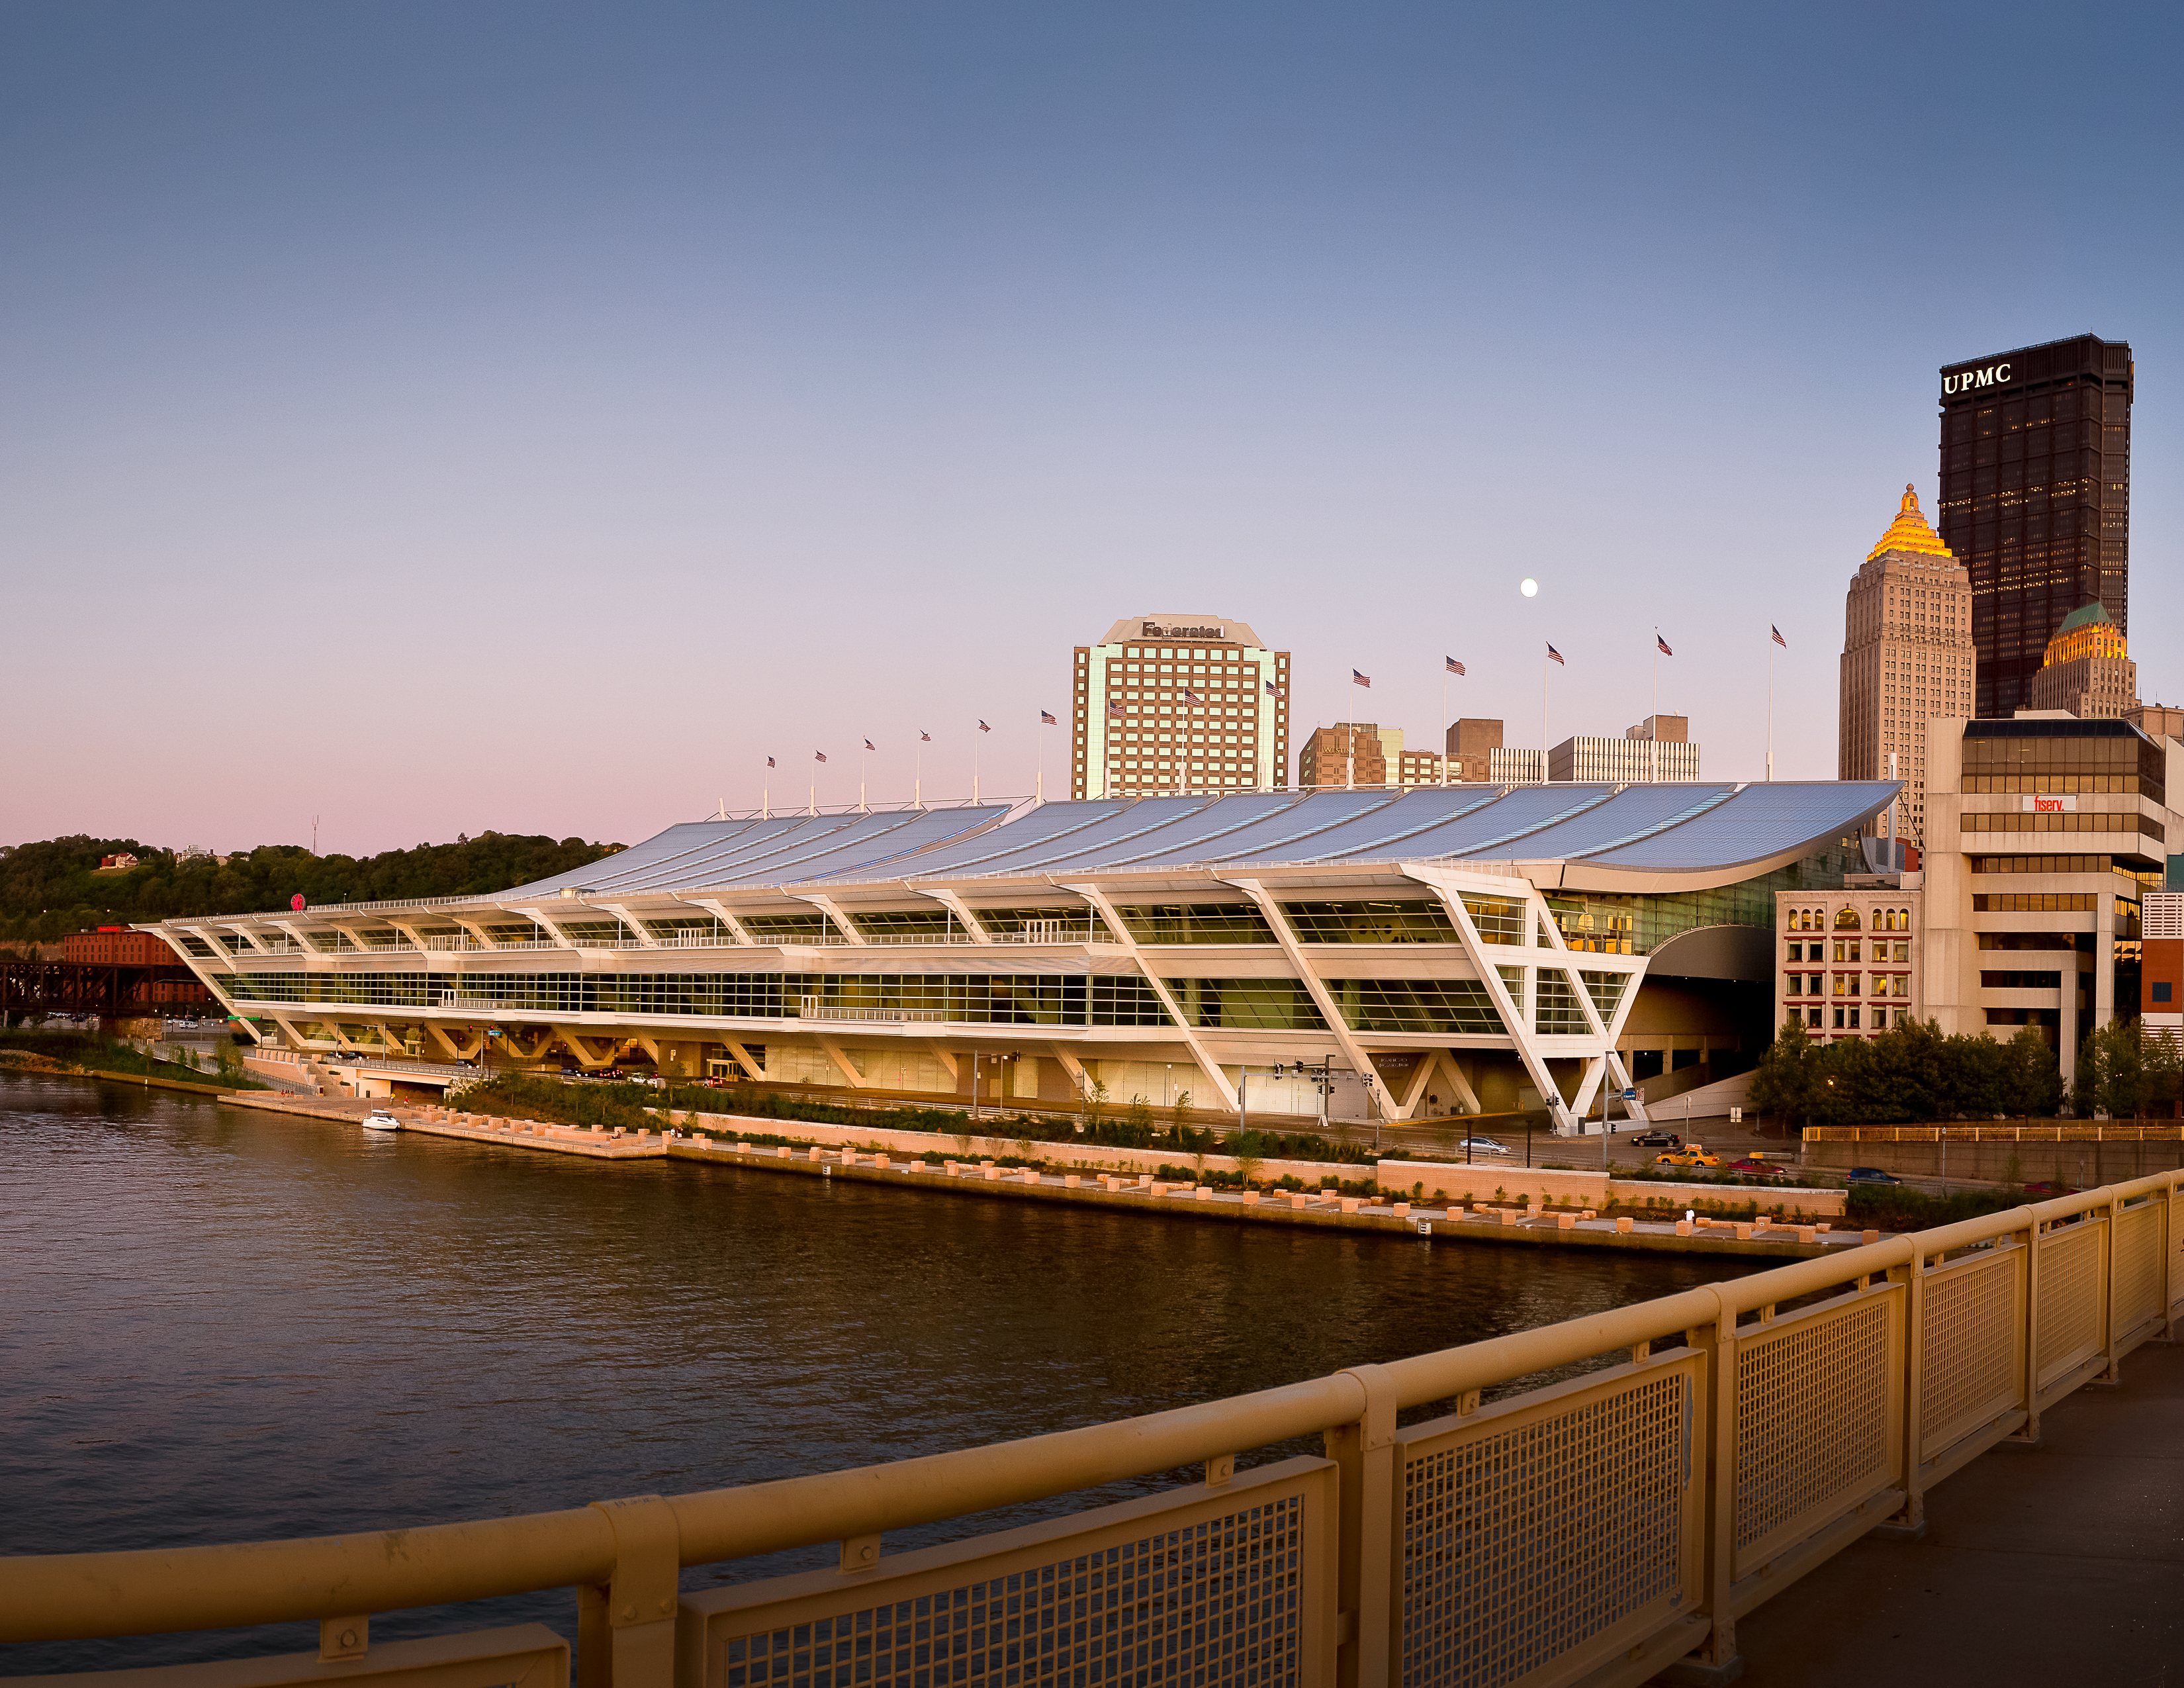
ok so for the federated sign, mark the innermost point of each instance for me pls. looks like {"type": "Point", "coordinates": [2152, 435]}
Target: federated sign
{"type": "Point", "coordinates": [2064, 805]}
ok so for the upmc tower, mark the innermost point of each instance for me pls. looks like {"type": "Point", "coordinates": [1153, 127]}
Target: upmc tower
{"type": "Point", "coordinates": [2035, 498]}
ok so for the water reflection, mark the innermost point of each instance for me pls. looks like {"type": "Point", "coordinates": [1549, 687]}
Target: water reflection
{"type": "Point", "coordinates": [224, 1325]}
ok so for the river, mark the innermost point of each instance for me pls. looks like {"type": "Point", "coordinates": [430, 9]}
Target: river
{"type": "Point", "coordinates": [222, 1325]}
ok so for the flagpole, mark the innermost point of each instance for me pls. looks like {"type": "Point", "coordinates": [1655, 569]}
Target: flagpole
{"type": "Point", "coordinates": [861, 809]}
{"type": "Point", "coordinates": [1038, 778]}
{"type": "Point", "coordinates": [765, 795]}
{"type": "Point", "coordinates": [1770, 704]}
{"type": "Point", "coordinates": [1543, 720]}
{"type": "Point", "coordinates": [918, 775]}
{"type": "Point", "coordinates": [1653, 726]}
{"type": "Point", "coordinates": [1444, 720]}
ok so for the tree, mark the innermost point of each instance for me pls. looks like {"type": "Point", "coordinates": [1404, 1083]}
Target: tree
{"type": "Point", "coordinates": [2031, 1078]}
{"type": "Point", "coordinates": [1782, 1084]}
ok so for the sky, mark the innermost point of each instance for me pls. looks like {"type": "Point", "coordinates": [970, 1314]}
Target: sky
{"type": "Point", "coordinates": [419, 418]}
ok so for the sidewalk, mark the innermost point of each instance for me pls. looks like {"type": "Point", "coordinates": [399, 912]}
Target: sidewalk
{"type": "Point", "coordinates": [2062, 1563]}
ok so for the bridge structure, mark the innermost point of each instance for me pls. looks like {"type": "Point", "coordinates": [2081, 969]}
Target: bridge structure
{"type": "Point", "coordinates": [1596, 1502]}
{"type": "Point", "coordinates": [108, 989]}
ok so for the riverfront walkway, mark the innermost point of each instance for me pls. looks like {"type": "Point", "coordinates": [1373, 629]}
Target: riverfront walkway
{"type": "Point", "coordinates": [2063, 1562]}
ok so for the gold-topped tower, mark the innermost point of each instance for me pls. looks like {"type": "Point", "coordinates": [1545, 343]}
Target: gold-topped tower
{"type": "Point", "coordinates": [1907, 658]}
{"type": "Point", "coordinates": [1909, 531]}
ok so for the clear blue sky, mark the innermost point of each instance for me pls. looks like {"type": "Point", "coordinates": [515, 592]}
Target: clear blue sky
{"type": "Point", "coordinates": [440, 417]}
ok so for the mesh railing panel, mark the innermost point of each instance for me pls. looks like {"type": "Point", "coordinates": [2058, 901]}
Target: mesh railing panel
{"type": "Point", "coordinates": [1195, 1594]}
{"type": "Point", "coordinates": [1967, 1366]}
{"type": "Point", "coordinates": [2067, 1312]}
{"type": "Point", "coordinates": [1812, 1421]}
{"type": "Point", "coordinates": [1552, 1530]}
{"type": "Point", "coordinates": [2136, 1266]}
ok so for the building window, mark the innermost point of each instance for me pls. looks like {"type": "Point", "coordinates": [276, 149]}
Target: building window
{"type": "Point", "coordinates": [1847, 920]}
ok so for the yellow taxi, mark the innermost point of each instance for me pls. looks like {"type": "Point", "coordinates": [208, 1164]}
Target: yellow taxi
{"type": "Point", "coordinates": [1690, 1155]}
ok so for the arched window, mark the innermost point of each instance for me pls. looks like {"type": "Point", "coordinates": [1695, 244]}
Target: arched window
{"type": "Point", "coordinates": [1847, 920]}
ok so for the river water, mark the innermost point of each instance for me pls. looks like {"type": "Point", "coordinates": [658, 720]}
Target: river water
{"type": "Point", "coordinates": [221, 1325]}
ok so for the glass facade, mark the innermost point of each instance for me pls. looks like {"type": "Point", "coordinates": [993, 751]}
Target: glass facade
{"type": "Point", "coordinates": [1275, 1004]}
{"type": "Point", "coordinates": [1037, 998]}
{"type": "Point", "coordinates": [1197, 923]}
{"type": "Point", "coordinates": [1613, 924]}
{"type": "Point", "coordinates": [1442, 1006]}
{"type": "Point", "coordinates": [1388, 922]}
{"type": "Point", "coordinates": [2061, 757]}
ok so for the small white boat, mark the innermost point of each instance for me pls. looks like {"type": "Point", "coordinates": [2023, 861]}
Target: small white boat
{"type": "Point", "coordinates": [380, 1120]}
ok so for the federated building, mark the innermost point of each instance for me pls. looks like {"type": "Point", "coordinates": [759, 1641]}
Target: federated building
{"type": "Point", "coordinates": [1472, 948]}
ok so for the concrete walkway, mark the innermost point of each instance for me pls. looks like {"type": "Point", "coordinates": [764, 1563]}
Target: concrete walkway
{"type": "Point", "coordinates": [2062, 1563]}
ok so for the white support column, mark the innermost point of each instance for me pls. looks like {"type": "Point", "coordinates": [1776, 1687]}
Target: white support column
{"type": "Point", "coordinates": [637, 927]}
{"type": "Point", "coordinates": [955, 905]}
{"type": "Point", "coordinates": [725, 916]}
{"type": "Point", "coordinates": [1323, 998]}
{"type": "Point", "coordinates": [1513, 1016]}
{"type": "Point", "coordinates": [1072, 1067]}
{"type": "Point", "coordinates": [1206, 1064]}
{"type": "Point", "coordinates": [538, 916]}
{"type": "Point", "coordinates": [1464, 1092]}
{"type": "Point", "coordinates": [850, 1074]}
{"type": "Point", "coordinates": [842, 923]}
{"type": "Point", "coordinates": [751, 1064]}
{"type": "Point", "coordinates": [196, 964]}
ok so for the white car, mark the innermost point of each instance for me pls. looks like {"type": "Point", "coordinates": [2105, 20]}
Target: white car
{"type": "Point", "coordinates": [1481, 1145]}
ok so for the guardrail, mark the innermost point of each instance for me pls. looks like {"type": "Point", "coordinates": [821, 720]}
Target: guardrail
{"type": "Point", "coordinates": [1594, 1530]}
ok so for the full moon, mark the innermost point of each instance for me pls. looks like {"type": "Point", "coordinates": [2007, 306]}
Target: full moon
{"type": "Point", "coordinates": [1531, 588]}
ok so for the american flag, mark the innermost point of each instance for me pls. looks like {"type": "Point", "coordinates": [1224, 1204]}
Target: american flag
{"type": "Point", "coordinates": [769, 761]}
{"type": "Point", "coordinates": [1663, 644]}
{"type": "Point", "coordinates": [1047, 719]}
{"type": "Point", "coordinates": [1271, 692]}
{"type": "Point", "coordinates": [1454, 666]}
{"type": "Point", "coordinates": [1357, 679]}
{"type": "Point", "coordinates": [1113, 708]}
{"type": "Point", "coordinates": [1779, 639]}
{"type": "Point", "coordinates": [1554, 655]}
{"type": "Point", "coordinates": [869, 745]}
{"type": "Point", "coordinates": [1192, 695]}
{"type": "Point", "coordinates": [983, 727]}
{"type": "Point", "coordinates": [923, 737]}
{"type": "Point", "coordinates": [818, 755]}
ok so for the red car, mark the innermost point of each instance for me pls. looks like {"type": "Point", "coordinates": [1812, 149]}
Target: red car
{"type": "Point", "coordinates": [1751, 1165]}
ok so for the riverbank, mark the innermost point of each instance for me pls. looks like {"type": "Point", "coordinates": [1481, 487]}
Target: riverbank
{"type": "Point", "coordinates": [1520, 1225]}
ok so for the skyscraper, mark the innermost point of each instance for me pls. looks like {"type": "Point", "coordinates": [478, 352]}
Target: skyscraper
{"type": "Point", "coordinates": [2036, 499]}
{"type": "Point", "coordinates": [1906, 657]}
{"type": "Point", "coordinates": [1179, 702]}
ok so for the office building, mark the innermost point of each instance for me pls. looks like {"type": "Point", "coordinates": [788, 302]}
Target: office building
{"type": "Point", "coordinates": [1353, 753]}
{"type": "Point", "coordinates": [1625, 760]}
{"type": "Point", "coordinates": [1416, 768]}
{"type": "Point", "coordinates": [1470, 950]}
{"type": "Point", "coordinates": [2086, 670]}
{"type": "Point", "coordinates": [2161, 964]}
{"type": "Point", "coordinates": [1178, 703]}
{"type": "Point", "coordinates": [1512, 764]}
{"type": "Point", "coordinates": [2044, 834]}
{"type": "Point", "coordinates": [1849, 961]}
{"type": "Point", "coordinates": [1908, 656]}
{"type": "Point", "coordinates": [1469, 745]}
{"type": "Point", "coordinates": [2036, 499]}
{"type": "Point", "coordinates": [2157, 721]}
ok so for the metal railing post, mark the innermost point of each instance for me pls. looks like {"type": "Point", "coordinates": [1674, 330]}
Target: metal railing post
{"type": "Point", "coordinates": [638, 1630]}
{"type": "Point", "coordinates": [1717, 1342]}
{"type": "Point", "coordinates": [1911, 1521]}
{"type": "Point", "coordinates": [1367, 1600]}
{"type": "Point", "coordinates": [2111, 1371]}
{"type": "Point", "coordinates": [2028, 1433]}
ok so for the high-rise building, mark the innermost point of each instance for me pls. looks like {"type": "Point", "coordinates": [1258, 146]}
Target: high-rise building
{"type": "Point", "coordinates": [1179, 702]}
{"type": "Point", "coordinates": [2036, 499]}
{"type": "Point", "coordinates": [2088, 670]}
{"type": "Point", "coordinates": [1908, 656]}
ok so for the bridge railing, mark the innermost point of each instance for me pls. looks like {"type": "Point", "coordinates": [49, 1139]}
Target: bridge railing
{"type": "Point", "coordinates": [1594, 1529]}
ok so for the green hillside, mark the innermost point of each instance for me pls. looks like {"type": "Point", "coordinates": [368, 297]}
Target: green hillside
{"type": "Point", "coordinates": [53, 886]}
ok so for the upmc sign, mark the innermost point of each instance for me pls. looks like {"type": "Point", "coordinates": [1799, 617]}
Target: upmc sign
{"type": "Point", "coordinates": [1963, 381]}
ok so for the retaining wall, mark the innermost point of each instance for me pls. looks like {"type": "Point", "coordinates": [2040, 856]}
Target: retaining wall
{"type": "Point", "coordinates": [1595, 1190]}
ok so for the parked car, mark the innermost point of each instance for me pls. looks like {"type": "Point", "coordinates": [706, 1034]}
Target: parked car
{"type": "Point", "coordinates": [1654, 1138]}
{"type": "Point", "coordinates": [1481, 1145]}
{"type": "Point", "coordinates": [1871, 1175]}
{"type": "Point", "coordinates": [1690, 1155]}
{"type": "Point", "coordinates": [1758, 1167]}
{"type": "Point", "coordinates": [2047, 1190]}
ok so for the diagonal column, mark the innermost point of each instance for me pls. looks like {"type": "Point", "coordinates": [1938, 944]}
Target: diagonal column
{"type": "Point", "coordinates": [1206, 1064]}
{"type": "Point", "coordinates": [1330, 1010]}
